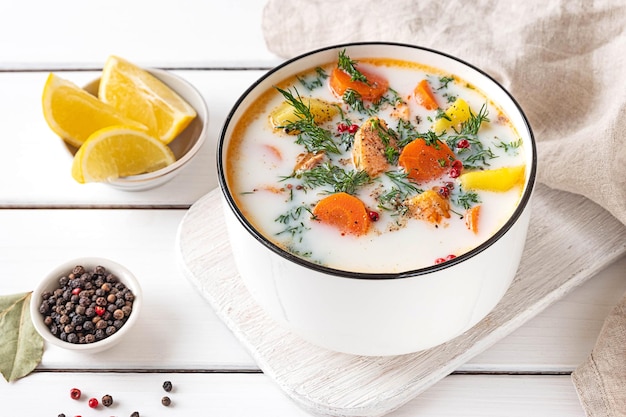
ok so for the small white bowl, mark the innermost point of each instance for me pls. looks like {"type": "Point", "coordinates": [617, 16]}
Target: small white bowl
{"type": "Point", "coordinates": [185, 146]}
{"type": "Point", "coordinates": [51, 282]}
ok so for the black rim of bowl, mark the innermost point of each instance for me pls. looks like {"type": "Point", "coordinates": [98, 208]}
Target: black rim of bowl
{"type": "Point", "coordinates": [523, 203]}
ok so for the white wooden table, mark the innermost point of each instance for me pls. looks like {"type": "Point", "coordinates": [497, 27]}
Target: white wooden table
{"type": "Point", "coordinates": [47, 218]}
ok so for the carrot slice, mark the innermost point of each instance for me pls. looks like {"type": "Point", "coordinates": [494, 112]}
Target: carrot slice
{"type": "Point", "coordinates": [345, 212]}
{"type": "Point", "coordinates": [424, 162]}
{"type": "Point", "coordinates": [424, 96]}
{"type": "Point", "coordinates": [373, 90]}
{"type": "Point", "coordinates": [471, 218]}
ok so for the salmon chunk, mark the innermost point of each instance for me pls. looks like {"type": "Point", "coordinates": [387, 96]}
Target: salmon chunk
{"type": "Point", "coordinates": [371, 144]}
{"type": "Point", "coordinates": [429, 206]}
{"type": "Point", "coordinates": [308, 161]}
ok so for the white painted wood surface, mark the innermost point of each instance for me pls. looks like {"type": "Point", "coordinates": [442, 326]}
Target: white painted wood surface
{"type": "Point", "coordinates": [45, 218]}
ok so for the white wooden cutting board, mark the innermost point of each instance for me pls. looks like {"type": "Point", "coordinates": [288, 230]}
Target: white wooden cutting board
{"type": "Point", "coordinates": [569, 240]}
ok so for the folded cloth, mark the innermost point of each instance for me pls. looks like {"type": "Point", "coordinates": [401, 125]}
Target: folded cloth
{"type": "Point", "coordinates": [563, 60]}
{"type": "Point", "coordinates": [599, 381]}
{"type": "Point", "coordinates": [565, 63]}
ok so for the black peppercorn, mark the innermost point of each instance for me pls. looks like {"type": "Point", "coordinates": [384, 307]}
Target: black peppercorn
{"type": "Point", "coordinates": [134, 414]}
{"type": "Point", "coordinates": [166, 401]}
{"type": "Point", "coordinates": [107, 400]}
{"type": "Point", "coordinates": [167, 386]}
{"type": "Point", "coordinates": [61, 415]}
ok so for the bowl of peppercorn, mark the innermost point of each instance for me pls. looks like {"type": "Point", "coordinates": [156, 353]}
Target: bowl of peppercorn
{"type": "Point", "coordinates": [86, 304]}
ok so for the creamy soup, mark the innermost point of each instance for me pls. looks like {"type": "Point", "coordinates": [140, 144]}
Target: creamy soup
{"type": "Point", "coordinates": [375, 165]}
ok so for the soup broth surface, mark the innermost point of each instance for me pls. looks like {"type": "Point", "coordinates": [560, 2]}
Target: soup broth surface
{"type": "Point", "coordinates": [279, 197]}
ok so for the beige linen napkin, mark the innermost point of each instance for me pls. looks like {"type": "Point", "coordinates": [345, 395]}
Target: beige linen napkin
{"type": "Point", "coordinates": [563, 60]}
{"type": "Point", "coordinates": [600, 379]}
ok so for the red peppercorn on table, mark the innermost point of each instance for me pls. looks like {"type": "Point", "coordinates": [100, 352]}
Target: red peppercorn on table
{"type": "Point", "coordinates": [46, 218]}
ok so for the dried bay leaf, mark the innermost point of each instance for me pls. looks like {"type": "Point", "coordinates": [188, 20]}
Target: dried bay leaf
{"type": "Point", "coordinates": [21, 347]}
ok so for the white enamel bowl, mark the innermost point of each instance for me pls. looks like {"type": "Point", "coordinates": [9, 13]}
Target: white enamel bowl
{"type": "Point", "coordinates": [185, 146]}
{"type": "Point", "coordinates": [378, 314]}
{"type": "Point", "coordinates": [51, 282]}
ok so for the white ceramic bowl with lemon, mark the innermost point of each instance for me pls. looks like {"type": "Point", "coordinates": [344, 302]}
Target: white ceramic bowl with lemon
{"type": "Point", "coordinates": [132, 128]}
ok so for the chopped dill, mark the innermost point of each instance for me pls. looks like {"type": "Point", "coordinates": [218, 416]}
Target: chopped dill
{"type": "Point", "coordinates": [311, 83]}
{"type": "Point", "coordinates": [393, 200]}
{"type": "Point", "coordinates": [349, 66]}
{"type": "Point", "coordinates": [291, 219]}
{"type": "Point", "coordinates": [466, 199]}
{"type": "Point", "coordinates": [392, 97]}
{"type": "Point", "coordinates": [313, 137]}
{"type": "Point", "coordinates": [406, 132]}
{"type": "Point", "coordinates": [386, 136]}
{"type": "Point", "coordinates": [478, 159]}
{"type": "Point", "coordinates": [431, 138]}
{"type": "Point", "coordinates": [476, 155]}
{"type": "Point", "coordinates": [444, 81]}
{"type": "Point", "coordinates": [441, 114]}
{"type": "Point", "coordinates": [353, 99]}
{"type": "Point", "coordinates": [450, 98]}
{"type": "Point", "coordinates": [472, 125]}
{"type": "Point", "coordinates": [335, 177]}
{"type": "Point", "coordinates": [400, 179]}
{"type": "Point", "coordinates": [511, 146]}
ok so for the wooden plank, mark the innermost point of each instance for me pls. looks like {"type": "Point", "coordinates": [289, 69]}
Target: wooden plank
{"type": "Point", "coordinates": [556, 340]}
{"type": "Point", "coordinates": [81, 34]}
{"type": "Point", "coordinates": [47, 394]}
{"type": "Point", "coordinates": [332, 383]}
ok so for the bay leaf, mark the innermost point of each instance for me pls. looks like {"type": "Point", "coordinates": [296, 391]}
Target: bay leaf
{"type": "Point", "coordinates": [21, 347]}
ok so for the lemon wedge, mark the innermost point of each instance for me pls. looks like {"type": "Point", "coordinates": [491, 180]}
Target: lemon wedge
{"type": "Point", "coordinates": [140, 96]}
{"type": "Point", "coordinates": [74, 114]}
{"type": "Point", "coordinates": [499, 179]}
{"type": "Point", "coordinates": [119, 151]}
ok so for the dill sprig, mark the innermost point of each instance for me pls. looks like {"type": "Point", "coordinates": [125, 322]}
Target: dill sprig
{"type": "Point", "coordinates": [291, 216]}
{"type": "Point", "coordinates": [406, 132]}
{"type": "Point", "coordinates": [313, 137]}
{"type": "Point", "coordinates": [349, 66]}
{"type": "Point", "coordinates": [472, 125]}
{"type": "Point", "coordinates": [444, 81]}
{"type": "Point", "coordinates": [476, 155]}
{"type": "Point", "coordinates": [354, 100]}
{"type": "Point", "coordinates": [387, 136]}
{"type": "Point", "coordinates": [510, 146]}
{"type": "Point", "coordinates": [337, 178]}
{"type": "Point", "coordinates": [393, 200]}
{"type": "Point", "coordinates": [400, 179]}
{"type": "Point", "coordinates": [466, 199]}
{"type": "Point", "coordinates": [431, 138]}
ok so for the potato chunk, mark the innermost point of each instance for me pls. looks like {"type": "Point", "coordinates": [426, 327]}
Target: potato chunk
{"type": "Point", "coordinates": [499, 179]}
{"type": "Point", "coordinates": [457, 114]}
{"type": "Point", "coordinates": [321, 110]}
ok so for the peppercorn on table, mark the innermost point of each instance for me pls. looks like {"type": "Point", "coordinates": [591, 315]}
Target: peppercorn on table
{"type": "Point", "coordinates": [46, 218]}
